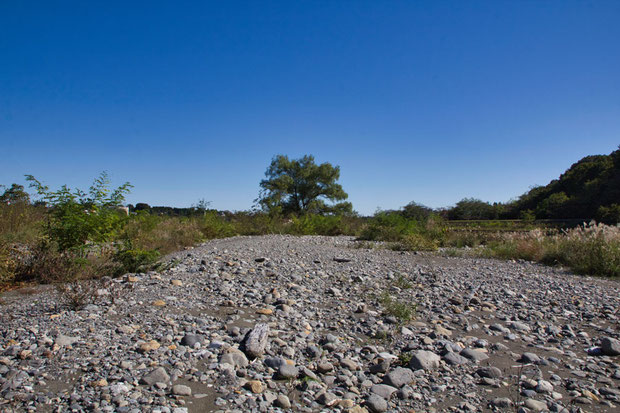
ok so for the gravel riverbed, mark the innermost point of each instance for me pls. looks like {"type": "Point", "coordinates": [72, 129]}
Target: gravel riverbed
{"type": "Point", "coordinates": [310, 324]}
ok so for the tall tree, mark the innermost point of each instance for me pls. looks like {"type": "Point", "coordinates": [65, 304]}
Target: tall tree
{"type": "Point", "coordinates": [300, 186]}
{"type": "Point", "coordinates": [15, 194]}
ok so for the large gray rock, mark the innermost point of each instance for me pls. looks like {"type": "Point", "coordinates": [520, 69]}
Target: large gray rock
{"type": "Point", "coordinates": [255, 341]}
{"type": "Point", "coordinates": [399, 377]}
{"type": "Point", "coordinates": [610, 346]}
{"type": "Point", "coordinates": [157, 375]}
{"type": "Point", "coordinates": [426, 360]}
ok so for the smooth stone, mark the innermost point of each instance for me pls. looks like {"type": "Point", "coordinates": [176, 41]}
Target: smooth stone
{"type": "Point", "coordinates": [474, 355]}
{"type": "Point", "coordinates": [399, 377]}
{"type": "Point", "coordinates": [489, 372]}
{"type": "Point", "coordinates": [383, 390]}
{"type": "Point", "coordinates": [376, 404]}
{"type": "Point", "coordinates": [287, 371]}
{"type": "Point", "coordinates": [157, 375]}
{"type": "Point", "coordinates": [181, 390]}
{"type": "Point", "coordinates": [424, 360]}
{"type": "Point", "coordinates": [610, 346]}
{"type": "Point", "coordinates": [535, 405]}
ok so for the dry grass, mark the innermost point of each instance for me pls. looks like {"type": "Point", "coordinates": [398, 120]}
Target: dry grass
{"type": "Point", "coordinates": [592, 249]}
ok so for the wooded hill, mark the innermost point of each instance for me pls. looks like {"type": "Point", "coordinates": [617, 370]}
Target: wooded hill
{"type": "Point", "coordinates": [590, 188]}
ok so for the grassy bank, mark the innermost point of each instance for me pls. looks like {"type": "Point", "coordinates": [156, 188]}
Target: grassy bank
{"type": "Point", "coordinates": [39, 244]}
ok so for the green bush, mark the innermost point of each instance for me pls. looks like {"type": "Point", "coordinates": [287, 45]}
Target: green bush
{"type": "Point", "coordinates": [214, 226]}
{"type": "Point", "coordinates": [75, 218]}
{"type": "Point", "coordinates": [134, 259]}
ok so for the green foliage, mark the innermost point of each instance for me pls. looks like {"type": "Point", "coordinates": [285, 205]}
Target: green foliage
{"type": "Point", "coordinates": [300, 186]}
{"type": "Point", "coordinates": [15, 194]}
{"type": "Point", "coordinates": [401, 310]}
{"type": "Point", "coordinates": [609, 214]}
{"type": "Point", "coordinates": [402, 283]}
{"type": "Point", "coordinates": [416, 242]}
{"type": "Point", "coordinates": [471, 208]}
{"type": "Point", "coordinates": [416, 211]}
{"type": "Point", "coordinates": [133, 259]}
{"type": "Point", "coordinates": [213, 226]}
{"type": "Point", "coordinates": [76, 217]}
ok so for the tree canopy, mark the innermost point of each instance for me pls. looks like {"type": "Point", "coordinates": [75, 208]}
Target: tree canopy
{"type": "Point", "coordinates": [300, 185]}
{"type": "Point", "coordinates": [15, 194]}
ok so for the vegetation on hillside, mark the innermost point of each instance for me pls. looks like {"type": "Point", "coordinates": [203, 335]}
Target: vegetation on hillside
{"type": "Point", "coordinates": [589, 189]}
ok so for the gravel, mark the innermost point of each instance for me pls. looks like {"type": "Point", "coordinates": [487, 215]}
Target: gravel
{"type": "Point", "coordinates": [283, 323]}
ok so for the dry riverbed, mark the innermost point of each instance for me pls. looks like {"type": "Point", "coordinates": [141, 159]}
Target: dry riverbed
{"type": "Point", "coordinates": [282, 323]}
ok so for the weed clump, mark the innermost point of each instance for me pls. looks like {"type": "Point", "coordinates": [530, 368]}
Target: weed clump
{"type": "Point", "coordinates": [400, 310]}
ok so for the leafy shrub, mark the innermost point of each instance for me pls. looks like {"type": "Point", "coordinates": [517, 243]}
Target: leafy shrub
{"type": "Point", "coordinates": [76, 217]}
{"type": "Point", "coordinates": [214, 226]}
{"type": "Point", "coordinates": [134, 259]}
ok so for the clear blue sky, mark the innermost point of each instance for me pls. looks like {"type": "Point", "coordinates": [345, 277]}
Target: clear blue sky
{"type": "Point", "coordinates": [425, 101]}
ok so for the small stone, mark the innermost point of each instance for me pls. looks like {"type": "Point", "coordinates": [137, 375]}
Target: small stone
{"type": "Point", "coordinates": [327, 399]}
{"type": "Point", "coordinates": [176, 283]}
{"type": "Point", "coordinates": [383, 390]}
{"type": "Point", "coordinates": [255, 341]}
{"type": "Point", "coordinates": [190, 340]}
{"type": "Point", "coordinates": [349, 364]}
{"type": "Point", "coordinates": [255, 386]}
{"type": "Point", "coordinates": [535, 405]}
{"type": "Point", "coordinates": [502, 402]}
{"type": "Point", "coordinates": [376, 404]}
{"type": "Point", "coordinates": [181, 390]}
{"type": "Point", "coordinates": [528, 358]}
{"type": "Point", "coordinates": [159, 303]}
{"type": "Point", "coordinates": [544, 386]}
{"type": "Point", "coordinates": [489, 372]}
{"type": "Point", "coordinates": [264, 311]}
{"type": "Point", "coordinates": [283, 401]}
{"type": "Point", "coordinates": [287, 371]}
{"type": "Point", "coordinates": [610, 346]}
{"type": "Point", "coordinates": [399, 377]}
{"type": "Point", "coordinates": [157, 375]}
{"type": "Point", "coordinates": [425, 360]}
{"type": "Point", "coordinates": [235, 358]}
{"type": "Point", "coordinates": [590, 395]}
{"type": "Point", "coordinates": [455, 359]}
{"type": "Point", "coordinates": [65, 341]}
{"type": "Point", "coordinates": [474, 355]}
{"type": "Point", "coordinates": [149, 346]}
{"type": "Point", "coordinates": [324, 367]}
{"type": "Point", "coordinates": [99, 383]}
